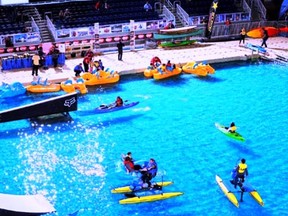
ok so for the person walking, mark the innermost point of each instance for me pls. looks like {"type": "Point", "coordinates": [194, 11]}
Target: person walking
{"type": "Point", "coordinates": [242, 36]}
{"type": "Point", "coordinates": [35, 64]}
{"type": "Point", "coordinates": [265, 37]}
{"type": "Point", "coordinates": [120, 46]}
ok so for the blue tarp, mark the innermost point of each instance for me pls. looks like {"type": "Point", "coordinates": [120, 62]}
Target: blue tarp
{"type": "Point", "coordinates": [283, 9]}
{"type": "Point", "coordinates": [18, 63]}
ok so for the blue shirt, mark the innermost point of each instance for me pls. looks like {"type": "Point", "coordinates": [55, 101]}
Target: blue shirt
{"type": "Point", "coordinates": [78, 68]}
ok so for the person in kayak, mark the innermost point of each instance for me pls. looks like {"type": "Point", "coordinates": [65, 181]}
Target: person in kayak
{"type": "Point", "coordinates": [149, 171]}
{"type": "Point", "coordinates": [232, 128]}
{"type": "Point", "coordinates": [118, 102]}
{"type": "Point", "coordinates": [239, 173]}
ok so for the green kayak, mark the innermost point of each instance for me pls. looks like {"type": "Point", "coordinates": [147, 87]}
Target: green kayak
{"type": "Point", "coordinates": [235, 135]}
{"type": "Point", "coordinates": [177, 44]}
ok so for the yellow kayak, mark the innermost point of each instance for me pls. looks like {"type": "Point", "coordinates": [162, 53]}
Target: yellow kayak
{"type": "Point", "coordinates": [228, 193]}
{"type": "Point", "coordinates": [127, 189]}
{"type": "Point", "coordinates": [257, 197]}
{"type": "Point", "coordinates": [150, 198]}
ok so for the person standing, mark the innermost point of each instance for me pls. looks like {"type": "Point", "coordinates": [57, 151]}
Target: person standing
{"type": "Point", "coordinates": [55, 55]}
{"type": "Point", "coordinates": [242, 36]}
{"type": "Point", "coordinates": [78, 69]}
{"type": "Point", "coordinates": [265, 37]}
{"type": "Point", "coordinates": [35, 64]}
{"type": "Point", "coordinates": [227, 26]}
{"type": "Point", "coordinates": [120, 46]}
{"type": "Point", "coordinates": [240, 172]}
{"type": "Point", "coordinates": [86, 62]}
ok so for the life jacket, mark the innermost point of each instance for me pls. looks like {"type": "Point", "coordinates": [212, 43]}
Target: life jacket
{"type": "Point", "coordinates": [233, 129]}
{"type": "Point", "coordinates": [154, 170]}
{"type": "Point", "coordinates": [242, 168]}
{"type": "Point", "coordinates": [129, 165]}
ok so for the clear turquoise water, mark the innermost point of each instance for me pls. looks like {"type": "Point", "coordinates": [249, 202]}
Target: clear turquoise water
{"type": "Point", "coordinates": [76, 164]}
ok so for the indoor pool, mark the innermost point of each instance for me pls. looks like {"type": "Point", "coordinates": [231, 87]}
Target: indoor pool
{"type": "Point", "coordinates": [76, 164]}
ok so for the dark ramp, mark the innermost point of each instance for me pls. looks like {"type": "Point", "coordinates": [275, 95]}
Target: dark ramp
{"type": "Point", "coordinates": [61, 104]}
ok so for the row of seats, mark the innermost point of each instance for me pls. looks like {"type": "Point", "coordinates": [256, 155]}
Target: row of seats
{"type": "Point", "coordinates": [202, 7]}
{"type": "Point", "coordinates": [113, 19]}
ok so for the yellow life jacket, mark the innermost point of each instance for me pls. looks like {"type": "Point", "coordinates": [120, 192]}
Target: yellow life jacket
{"type": "Point", "coordinates": [242, 168]}
{"type": "Point", "coordinates": [233, 128]}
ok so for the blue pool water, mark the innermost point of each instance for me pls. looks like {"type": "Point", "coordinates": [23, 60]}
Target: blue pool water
{"type": "Point", "coordinates": [76, 164]}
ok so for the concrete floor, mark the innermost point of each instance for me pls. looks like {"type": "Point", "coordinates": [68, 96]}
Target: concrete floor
{"type": "Point", "coordinates": [137, 61]}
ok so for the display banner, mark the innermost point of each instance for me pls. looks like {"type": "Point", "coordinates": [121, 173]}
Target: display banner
{"type": "Point", "coordinates": [212, 16]}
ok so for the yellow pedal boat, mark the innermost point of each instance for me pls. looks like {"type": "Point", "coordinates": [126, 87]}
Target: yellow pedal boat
{"type": "Point", "coordinates": [200, 69]}
{"type": "Point", "coordinates": [101, 77]}
{"type": "Point", "coordinates": [69, 87]}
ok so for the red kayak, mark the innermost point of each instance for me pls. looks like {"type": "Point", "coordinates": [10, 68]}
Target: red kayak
{"type": "Point", "coordinates": [258, 32]}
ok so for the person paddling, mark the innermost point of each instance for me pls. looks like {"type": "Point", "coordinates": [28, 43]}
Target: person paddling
{"type": "Point", "coordinates": [232, 128]}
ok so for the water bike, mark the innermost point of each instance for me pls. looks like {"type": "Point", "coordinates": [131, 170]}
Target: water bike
{"type": "Point", "coordinates": [130, 189]}
{"type": "Point", "coordinates": [230, 193]}
{"type": "Point", "coordinates": [149, 196]}
{"type": "Point", "coordinates": [234, 135]}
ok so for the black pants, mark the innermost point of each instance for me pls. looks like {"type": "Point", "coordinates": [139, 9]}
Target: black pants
{"type": "Point", "coordinates": [120, 55]}
{"type": "Point", "coordinates": [86, 67]}
{"type": "Point", "coordinates": [55, 62]}
{"type": "Point", "coordinates": [264, 42]}
{"type": "Point", "coordinates": [242, 38]}
{"type": "Point", "coordinates": [35, 70]}
{"type": "Point", "coordinates": [77, 72]}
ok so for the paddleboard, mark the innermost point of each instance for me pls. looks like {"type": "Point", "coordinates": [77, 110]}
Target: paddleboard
{"type": "Point", "coordinates": [235, 135]}
{"type": "Point", "coordinates": [150, 198]}
{"type": "Point", "coordinates": [230, 195]}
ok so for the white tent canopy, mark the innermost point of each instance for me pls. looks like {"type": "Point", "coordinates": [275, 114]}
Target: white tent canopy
{"type": "Point", "coordinates": [25, 203]}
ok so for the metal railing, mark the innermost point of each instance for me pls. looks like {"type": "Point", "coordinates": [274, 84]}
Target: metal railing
{"type": "Point", "coordinates": [246, 8]}
{"type": "Point", "coordinates": [258, 7]}
{"type": "Point", "coordinates": [168, 14]}
{"type": "Point", "coordinates": [183, 15]}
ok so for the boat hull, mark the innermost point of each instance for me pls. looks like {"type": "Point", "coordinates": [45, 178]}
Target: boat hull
{"type": "Point", "coordinates": [103, 78]}
{"type": "Point", "coordinates": [198, 69]}
{"type": "Point", "coordinates": [231, 197]}
{"type": "Point", "coordinates": [150, 198]}
{"type": "Point", "coordinates": [127, 189]}
{"type": "Point", "coordinates": [166, 73]}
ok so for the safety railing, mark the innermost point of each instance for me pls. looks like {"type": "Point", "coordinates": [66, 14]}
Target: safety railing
{"type": "Point", "coordinates": [169, 15]}
{"type": "Point", "coordinates": [183, 15]}
{"type": "Point", "coordinates": [246, 8]}
{"type": "Point", "coordinates": [258, 6]}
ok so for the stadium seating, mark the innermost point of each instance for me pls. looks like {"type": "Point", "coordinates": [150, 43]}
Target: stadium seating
{"type": "Point", "coordinates": [8, 24]}
{"type": "Point", "coordinates": [85, 14]}
{"type": "Point", "coordinates": [202, 7]}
